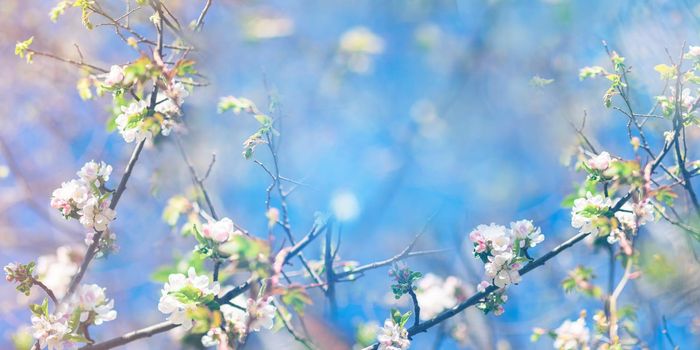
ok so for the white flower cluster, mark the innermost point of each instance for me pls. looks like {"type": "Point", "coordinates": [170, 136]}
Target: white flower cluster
{"type": "Point", "coordinates": [503, 250]}
{"type": "Point", "coordinates": [393, 336]}
{"type": "Point", "coordinates": [436, 294]}
{"type": "Point", "coordinates": [183, 294]}
{"type": "Point", "coordinates": [92, 304]}
{"type": "Point", "coordinates": [219, 231]}
{"type": "Point", "coordinates": [256, 315]}
{"type": "Point", "coordinates": [588, 210]}
{"type": "Point", "coordinates": [133, 124]}
{"type": "Point", "coordinates": [56, 270]}
{"type": "Point", "coordinates": [85, 198]}
{"type": "Point", "coordinates": [51, 331]}
{"type": "Point", "coordinates": [572, 335]}
{"type": "Point", "coordinates": [63, 329]}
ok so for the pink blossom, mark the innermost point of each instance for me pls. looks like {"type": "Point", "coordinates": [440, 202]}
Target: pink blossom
{"type": "Point", "coordinates": [219, 231]}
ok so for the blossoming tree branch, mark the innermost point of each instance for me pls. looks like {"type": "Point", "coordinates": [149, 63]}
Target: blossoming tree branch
{"type": "Point", "coordinates": [235, 283]}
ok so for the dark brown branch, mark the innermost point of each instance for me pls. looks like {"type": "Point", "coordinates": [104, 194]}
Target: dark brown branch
{"type": "Point", "coordinates": [416, 307]}
{"type": "Point", "coordinates": [129, 337]}
{"type": "Point", "coordinates": [46, 289]}
{"type": "Point", "coordinates": [330, 275]}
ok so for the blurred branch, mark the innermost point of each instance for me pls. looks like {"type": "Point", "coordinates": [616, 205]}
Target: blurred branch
{"type": "Point", "coordinates": [199, 182]}
{"type": "Point", "coordinates": [68, 60]}
{"type": "Point", "coordinates": [200, 21]}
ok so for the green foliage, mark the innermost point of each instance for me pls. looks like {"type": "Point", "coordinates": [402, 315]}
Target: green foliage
{"type": "Point", "coordinates": [84, 6]}
{"type": "Point", "coordinates": [590, 72]}
{"type": "Point", "coordinates": [22, 49]}
{"type": "Point", "coordinates": [58, 10]}
{"type": "Point", "coordinates": [399, 318]}
{"type": "Point", "coordinates": [579, 280]}
{"type": "Point", "coordinates": [236, 105]}
{"type": "Point", "coordinates": [248, 253]}
{"type": "Point", "coordinates": [667, 72]}
{"type": "Point", "coordinates": [83, 87]}
{"type": "Point", "coordinates": [404, 278]}
{"type": "Point", "coordinates": [22, 339]}
{"type": "Point", "coordinates": [22, 274]}
{"type": "Point", "coordinates": [176, 206]}
{"type": "Point", "coordinates": [366, 334]}
{"type": "Point", "coordinates": [40, 310]}
{"type": "Point", "coordinates": [588, 186]}
{"type": "Point", "coordinates": [296, 297]}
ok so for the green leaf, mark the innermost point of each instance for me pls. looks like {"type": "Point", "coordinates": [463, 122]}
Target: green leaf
{"type": "Point", "coordinates": [40, 310]}
{"type": "Point", "coordinates": [297, 298]}
{"type": "Point", "coordinates": [235, 104]}
{"type": "Point", "coordinates": [666, 71]}
{"type": "Point", "coordinates": [176, 206]}
{"type": "Point", "coordinates": [22, 47]}
{"type": "Point", "coordinates": [84, 6]}
{"type": "Point", "coordinates": [539, 82]}
{"type": "Point", "coordinates": [590, 72]}
{"type": "Point", "coordinates": [58, 10]}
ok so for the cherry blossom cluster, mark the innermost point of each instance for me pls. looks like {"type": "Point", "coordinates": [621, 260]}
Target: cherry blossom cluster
{"type": "Point", "coordinates": [572, 335]}
{"type": "Point", "coordinates": [56, 270]}
{"type": "Point", "coordinates": [86, 198]}
{"type": "Point", "coordinates": [135, 124]}
{"type": "Point", "coordinates": [591, 214]}
{"type": "Point", "coordinates": [503, 250]}
{"type": "Point", "coordinates": [436, 295]}
{"type": "Point", "coordinates": [257, 314]}
{"type": "Point", "coordinates": [394, 336]}
{"type": "Point", "coordinates": [67, 326]}
{"type": "Point", "coordinates": [182, 294]}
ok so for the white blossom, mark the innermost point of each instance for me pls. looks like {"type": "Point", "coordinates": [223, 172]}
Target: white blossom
{"type": "Point", "coordinates": [130, 124]}
{"type": "Point", "coordinates": [70, 196]}
{"type": "Point", "coordinates": [527, 233]}
{"type": "Point", "coordinates": [56, 270]}
{"type": "Point", "coordinates": [493, 236]}
{"type": "Point", "coordinates": [600, 162]}
{"type": "Point", "coordinates": [693, 52]}
{"type": "Point", "coordinates": [632, 215]}
{"type": "Point", "coordinates": [393, 336]}
{"type": "Point", "coordinates": [436, 294]}
{"type": "Point", "coordinates": [91, 300]}
{"type": "Point", "coordinates": [115, 76]}
{"type": "Point", "coordinates": [93, 171]}
{"type": "Point", "coordinates": [213, 337]}
{"type": "Point", "coordinates": [572, 335]}
{"type": "Point", "coordinates": [261, 314]}
{"type": "Point", "coordinates": [51, 330]}
{"type": "Point", "coordinates": [179, 306]}
{"type": "Point", "coordinates": [96, 215]}
{"type": "Point", "coordinates": [502, 269]}
{"type": "Point", "coordinates": [584, 212]}
{"type": "Point", "coordinates": [219, 231]}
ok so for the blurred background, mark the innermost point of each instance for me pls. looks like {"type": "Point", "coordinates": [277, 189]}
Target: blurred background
{"type": "Point", "coordinates": [446, 109]}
